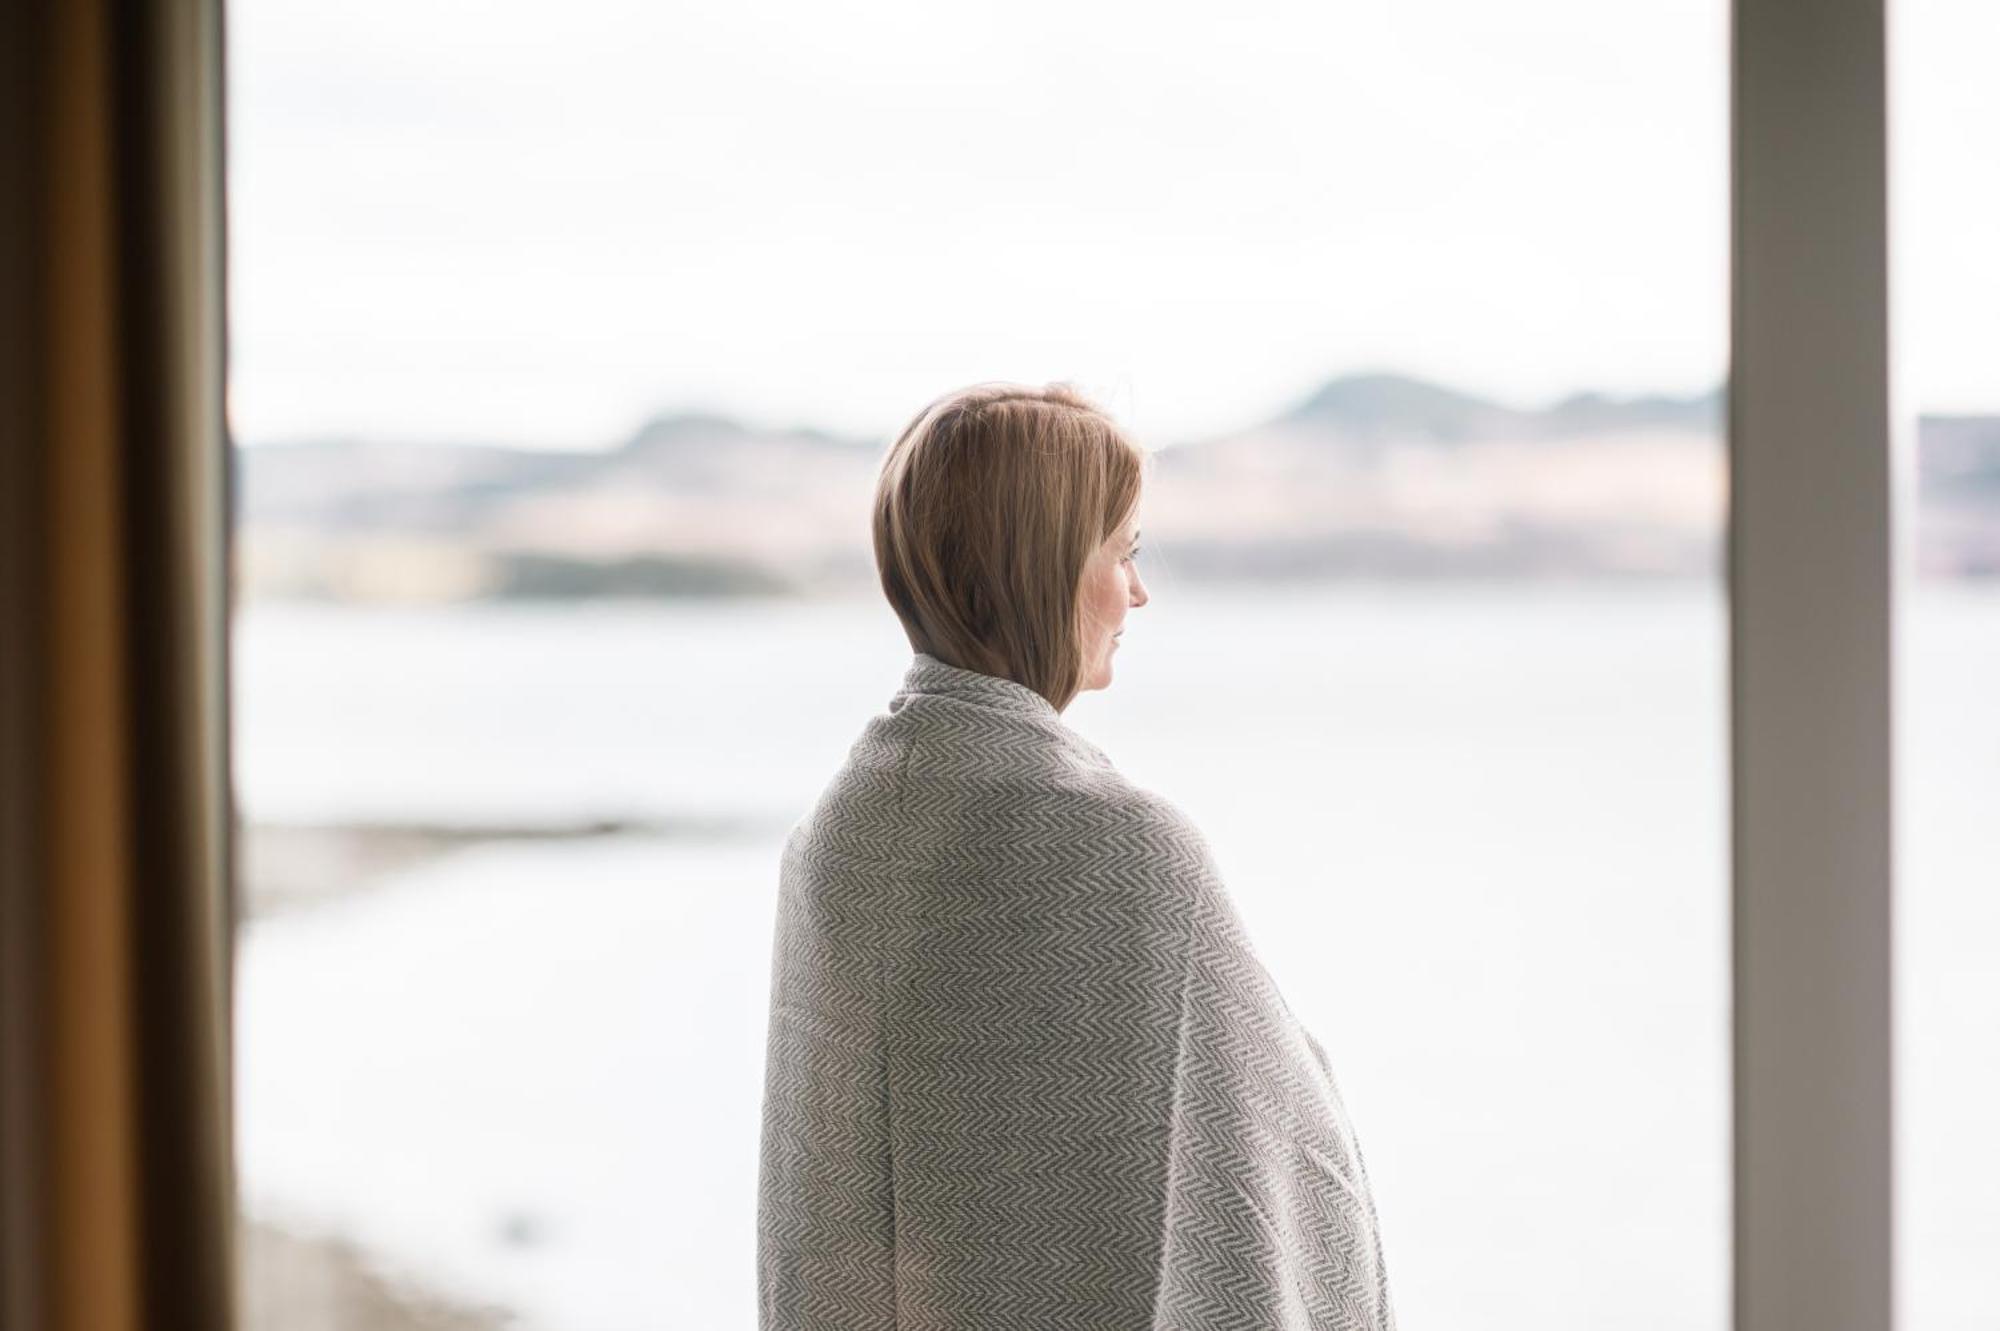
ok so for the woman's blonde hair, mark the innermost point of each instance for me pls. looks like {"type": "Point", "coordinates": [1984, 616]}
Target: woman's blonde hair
{"type": "Point", "coordinates": [988, 508]}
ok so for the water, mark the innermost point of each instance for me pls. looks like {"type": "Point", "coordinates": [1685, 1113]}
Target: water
{"type": "Point", "coordinates": [1477, 833]}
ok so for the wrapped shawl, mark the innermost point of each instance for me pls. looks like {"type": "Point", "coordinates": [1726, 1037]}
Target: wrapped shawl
{"type": "Point", "coordinates": [1024, 1070]}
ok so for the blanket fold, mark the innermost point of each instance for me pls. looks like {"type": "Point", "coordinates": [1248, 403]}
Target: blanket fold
{"type": "Point", "coordinates": [1024, 1069]}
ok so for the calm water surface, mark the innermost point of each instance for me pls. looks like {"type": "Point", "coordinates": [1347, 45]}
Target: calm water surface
{"type": "Point", "coordinates": [1477, 833]}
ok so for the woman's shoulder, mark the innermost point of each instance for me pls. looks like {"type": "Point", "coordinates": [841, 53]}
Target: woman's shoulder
{"type": "Point", "coordinates": [1159, 822]}
{"type": "Point", "coordinates": [1065, 793]}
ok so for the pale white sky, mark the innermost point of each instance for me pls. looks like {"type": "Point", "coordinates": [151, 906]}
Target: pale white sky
{"type": "Point", "coordinates": [540, 223]}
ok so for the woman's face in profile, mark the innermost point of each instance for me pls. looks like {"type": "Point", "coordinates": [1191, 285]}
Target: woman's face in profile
{"type": "Point", "coordinates": [1111, 586]}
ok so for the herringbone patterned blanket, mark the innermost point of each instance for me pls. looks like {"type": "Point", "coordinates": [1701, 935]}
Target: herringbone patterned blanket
{"type": "Point", "coordinates": [1024, 1070]}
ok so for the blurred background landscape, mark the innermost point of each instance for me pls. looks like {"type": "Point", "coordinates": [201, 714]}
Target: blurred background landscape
{"type": "Point", "coordinates": [510, 838]}
{"type": "Point", "coordinates": [1372, 476]}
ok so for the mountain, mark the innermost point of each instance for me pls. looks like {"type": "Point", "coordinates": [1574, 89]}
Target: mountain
{"type": "Point", "coordinates": [1373, 475]}
{"type": "Point", "coordinates": [1396, 408]}
{"type": "Point", "coordinates": [1596, 412]}
{"type": "Point", "coordinates": [1959, 459]}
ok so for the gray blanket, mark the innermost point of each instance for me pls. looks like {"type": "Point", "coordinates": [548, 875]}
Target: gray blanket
{"type": "Point", "coordinates": [1024, 1070]}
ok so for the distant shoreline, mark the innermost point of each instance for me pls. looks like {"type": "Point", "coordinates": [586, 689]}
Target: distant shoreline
{"type": "Point", "coordinates": [292, 1280]}
{"type": "Point", "coordinates": [291, 866]}
{"type": "Point", "coordinates": [1375, 476]}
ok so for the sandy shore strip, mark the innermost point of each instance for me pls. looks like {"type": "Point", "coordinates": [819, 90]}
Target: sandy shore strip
{"type": "Point", "coordinates": [291, 1281]}
{"type": "Point", "coordinates": [282, 866]}
{"type": "Point", "coordinates": [294, 1282]}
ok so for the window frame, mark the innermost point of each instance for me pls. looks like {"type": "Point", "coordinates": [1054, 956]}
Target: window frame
{"type": "Point", "coordinates": [1816, 521]}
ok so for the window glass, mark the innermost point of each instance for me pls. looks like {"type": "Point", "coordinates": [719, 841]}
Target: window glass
{"type": "Point", "coordinates": [565, 342]}
{"type": "Point", "coordinates": [1945, 123]}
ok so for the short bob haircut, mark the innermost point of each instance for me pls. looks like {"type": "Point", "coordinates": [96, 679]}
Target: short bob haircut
{"type": "Point", "coordinates": [988, 509]}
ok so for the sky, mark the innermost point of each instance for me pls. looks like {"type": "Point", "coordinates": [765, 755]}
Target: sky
{"type": "Point", "coordinates": [539, 224]}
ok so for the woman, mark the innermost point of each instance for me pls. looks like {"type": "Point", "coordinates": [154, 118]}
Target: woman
{"type": "Point", "coordinates": [1024, 1070]}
